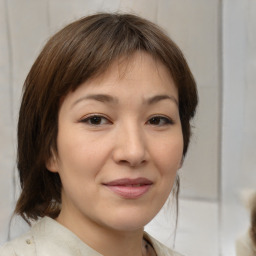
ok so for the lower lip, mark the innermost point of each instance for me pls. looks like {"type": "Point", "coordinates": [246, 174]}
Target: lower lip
{"type": "Point", "coordinates": [129, 192]}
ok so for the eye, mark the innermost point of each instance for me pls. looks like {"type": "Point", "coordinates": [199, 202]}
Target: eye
{"type": "Point", "coordinates": [95, 120]}
{"type": "Point", "coordinates": [160, 121]}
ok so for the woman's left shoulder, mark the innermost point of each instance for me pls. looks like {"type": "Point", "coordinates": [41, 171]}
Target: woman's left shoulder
{"type": "Point", "coordinates": [245, 245]}
{"type": "Point", "coordinates": [161, 249]}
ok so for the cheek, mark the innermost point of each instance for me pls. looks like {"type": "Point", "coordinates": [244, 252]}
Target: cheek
{"type": "Point", "coordinates": [76, 168]}
{"type": "Point", "coordinates": [80, 156]}
{"type": "Point", "coordinates": [168, 154]}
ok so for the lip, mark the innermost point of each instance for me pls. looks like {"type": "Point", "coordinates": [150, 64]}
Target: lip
{"type": "Point", "coordinates": [129, 188]}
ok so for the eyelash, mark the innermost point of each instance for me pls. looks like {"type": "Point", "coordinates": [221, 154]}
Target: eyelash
{"type": "Point", "coordinates": [88, 120]}
{"type": "Point", "coordinates": [166, 120]}
{"type": "Point", "coordinates": [154, 120]}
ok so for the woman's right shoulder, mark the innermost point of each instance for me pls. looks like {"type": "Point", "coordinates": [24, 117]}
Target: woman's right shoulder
{"type": "Point", "coordinates": [23, 245]}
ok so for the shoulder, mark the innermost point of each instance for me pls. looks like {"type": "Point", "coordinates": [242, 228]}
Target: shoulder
{"type": "Point", "coordinates": [245, 246]}
{"type": "Point", "coordinates": [23, 245]}
{"type": "Point", "coordinates": [47, 237]}
{"type": "Point", "coordinates": [31, 242]}
{"type": "Point", "coordinates": [160, 248]}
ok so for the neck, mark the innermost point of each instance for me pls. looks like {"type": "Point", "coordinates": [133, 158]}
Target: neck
{"type": "Point", "coordinates": [104, 240]}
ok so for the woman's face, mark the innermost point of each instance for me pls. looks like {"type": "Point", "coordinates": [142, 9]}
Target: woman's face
{"type": "Point", "coordinates": [119, 145]}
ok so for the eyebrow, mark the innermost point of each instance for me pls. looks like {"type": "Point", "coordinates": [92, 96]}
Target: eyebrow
{"type": "Point", "coordinates": [158, 98]}
{"type": "Point", "coordinates": [110, 99]}
{"type": "Point", "coordinates": [98, 97]}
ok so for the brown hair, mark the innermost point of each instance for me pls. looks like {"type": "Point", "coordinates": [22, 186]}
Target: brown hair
{"type": "Point", "coordinates": [82, 50]}
{"type": "Point", "coordinates": [253, 220]}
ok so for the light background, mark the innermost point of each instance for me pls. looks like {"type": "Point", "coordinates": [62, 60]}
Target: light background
{"type": "Point", "coordinates": [218, 39]}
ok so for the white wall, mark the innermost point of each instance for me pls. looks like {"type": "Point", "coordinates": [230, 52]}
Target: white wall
{"type": "Point", "coordinates": [218, 40]}
{"type": "Point", "coordinates": [239, 117]}
{"type": "Point", "coordinates": [7, 158]}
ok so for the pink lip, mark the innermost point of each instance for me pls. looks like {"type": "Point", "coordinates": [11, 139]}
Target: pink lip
{"type": "Point", "coordinates": [129, 188]}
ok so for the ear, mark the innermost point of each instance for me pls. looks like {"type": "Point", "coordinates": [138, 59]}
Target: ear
{"type": "Point", "coordinates": [52, 163]}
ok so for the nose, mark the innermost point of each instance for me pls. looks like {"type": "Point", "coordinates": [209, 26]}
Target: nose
{"type": "Point", "coordinates": [130, 146]}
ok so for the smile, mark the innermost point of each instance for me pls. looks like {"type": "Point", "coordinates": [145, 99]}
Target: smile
{"type": "Point", "coordinates": [129, 188]}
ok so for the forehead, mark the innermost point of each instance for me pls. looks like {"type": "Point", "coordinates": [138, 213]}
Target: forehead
{"type": "Point", "coordinates": [139, 62]}
{"type": "Point", "coordinates": [140, 66]}
{"type": "Point", "coordinates": [133, 75]}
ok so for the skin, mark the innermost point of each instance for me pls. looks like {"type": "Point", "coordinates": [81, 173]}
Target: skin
{"type": "Point", "coordinates": [129, 132]}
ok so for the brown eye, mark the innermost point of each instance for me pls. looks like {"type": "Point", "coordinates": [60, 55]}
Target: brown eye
{"type": "Point", "coordinates": [96, 120]}
{"type": "Point", "coordinates": [159, 121]}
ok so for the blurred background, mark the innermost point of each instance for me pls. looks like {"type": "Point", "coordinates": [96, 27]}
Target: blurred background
{"type": "Point", "coordinates": [218, 39]}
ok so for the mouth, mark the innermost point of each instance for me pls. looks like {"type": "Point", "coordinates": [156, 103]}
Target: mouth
{"type": "Point", "coordinates": [129, 188]}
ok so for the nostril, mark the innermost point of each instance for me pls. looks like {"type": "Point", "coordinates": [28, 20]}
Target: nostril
{"type": "Point", "coordinates": [130, 149]}
{"type": "Point", "coordinates": [124, 162]}
{"type": "Point", "coordinates": [133, 163]}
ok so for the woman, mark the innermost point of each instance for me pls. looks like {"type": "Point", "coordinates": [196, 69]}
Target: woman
{"type": "Point", "coordinates": [104, 126]}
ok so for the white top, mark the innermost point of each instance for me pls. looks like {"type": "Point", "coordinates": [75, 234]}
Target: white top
{"type": "Point", "coordinates": [49, 238]}
{"type": "Point", "coordinates": [245, 246]}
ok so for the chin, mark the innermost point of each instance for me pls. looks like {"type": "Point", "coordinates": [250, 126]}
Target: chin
{"type": "Point", "coordinates": [130, 221]}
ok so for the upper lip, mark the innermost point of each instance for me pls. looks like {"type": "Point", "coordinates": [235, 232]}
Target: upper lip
{"type": "Point", "coordinates": [128, 181]}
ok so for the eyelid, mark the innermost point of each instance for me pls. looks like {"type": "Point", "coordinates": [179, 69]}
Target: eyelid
{"type": "Point", "coordinates": [170, 121]}
{"type": "Point", "coordinates": [87, 117]}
